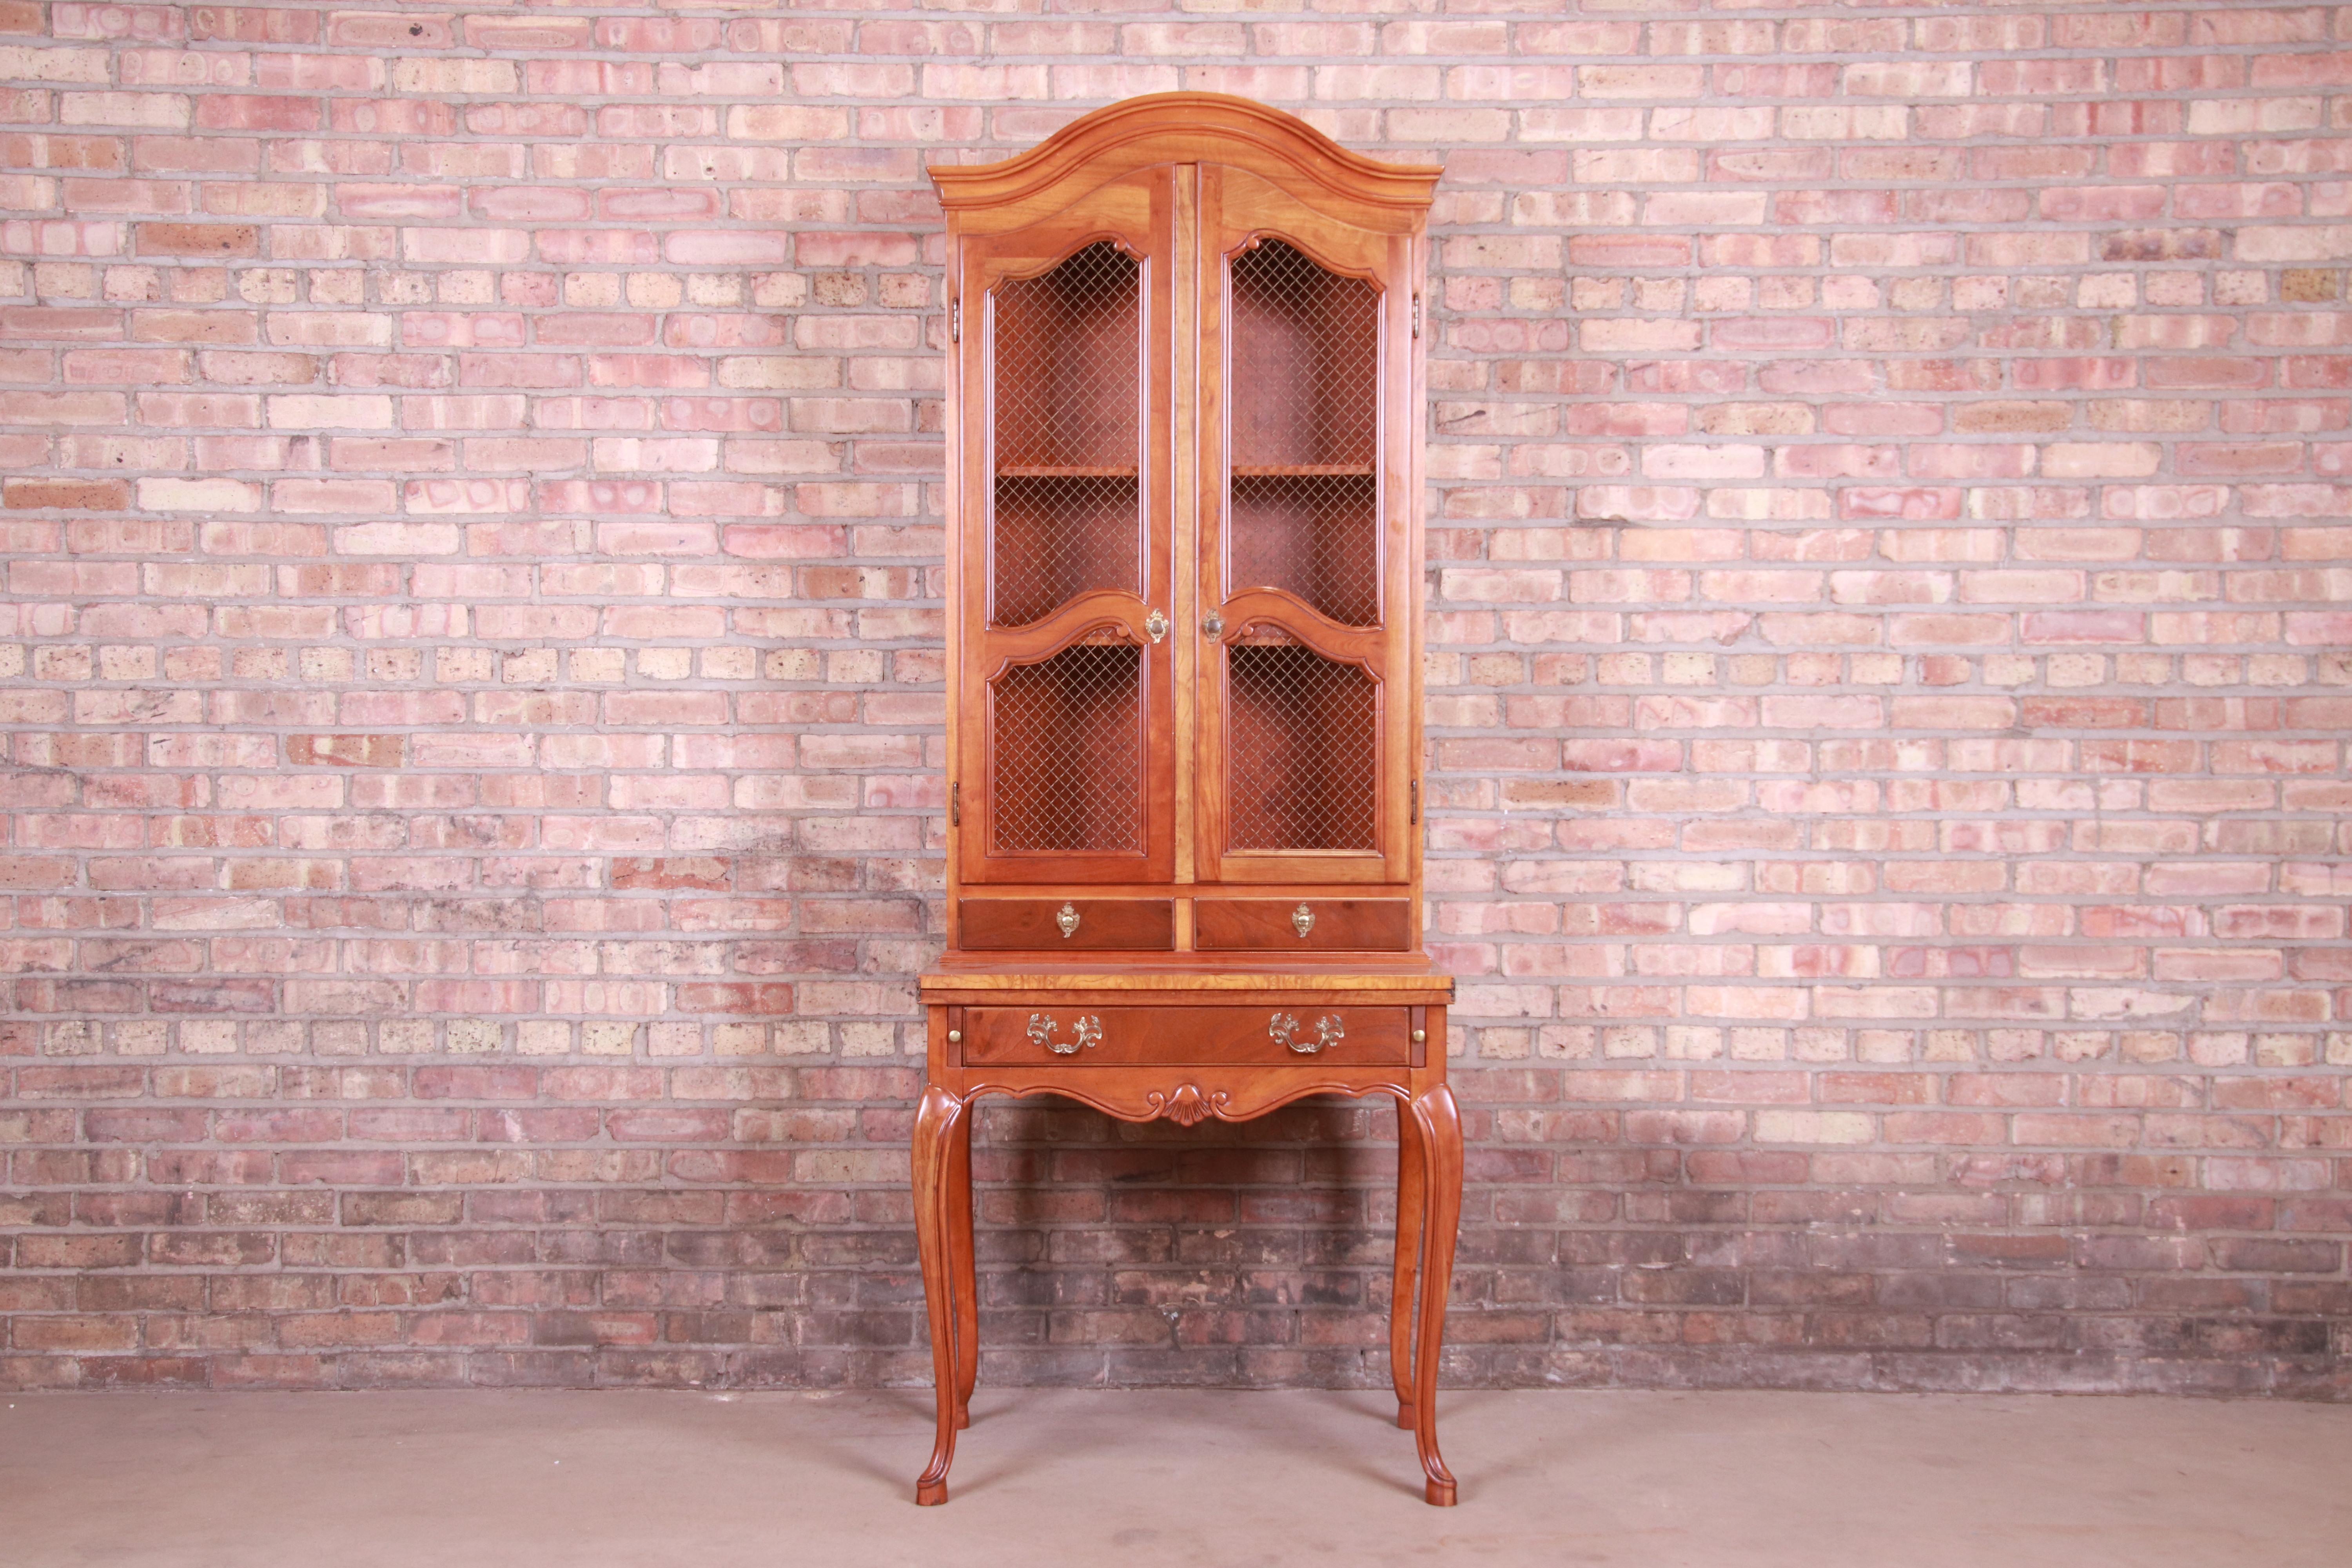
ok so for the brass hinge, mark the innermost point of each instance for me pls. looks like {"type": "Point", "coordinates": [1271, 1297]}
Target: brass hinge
{"type": "Point", "coordinates": [1413, 792]}
{"type": "Point", "coordinates": [955, 805]}
{"type": "Point", "coordinates": [955, 322]}
{"type": "Point", "coordinates": [1416, 315]}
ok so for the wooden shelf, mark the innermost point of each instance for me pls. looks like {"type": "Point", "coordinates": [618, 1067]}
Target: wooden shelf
{"type": "Point", "coordinates": [1067, 471]}
{"type": "Point", "coordinates": [1302, 470]}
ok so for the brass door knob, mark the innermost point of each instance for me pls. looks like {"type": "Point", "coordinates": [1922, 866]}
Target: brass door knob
{"type": "Point", "coordinates": [1155, 625]}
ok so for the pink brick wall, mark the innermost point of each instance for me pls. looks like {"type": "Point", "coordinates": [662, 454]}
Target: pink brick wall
{"type": "Point", "coordinates": [471, 698]}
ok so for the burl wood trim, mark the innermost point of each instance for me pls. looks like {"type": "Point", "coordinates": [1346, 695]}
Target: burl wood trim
{"type": "Point", "coordinates": [1187, 1095]}
{"type": "Point", "coordinates": [1158, 979]}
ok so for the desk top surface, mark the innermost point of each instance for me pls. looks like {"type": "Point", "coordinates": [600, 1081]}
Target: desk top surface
{"type": "Point", "coordinates": [1407, 974]}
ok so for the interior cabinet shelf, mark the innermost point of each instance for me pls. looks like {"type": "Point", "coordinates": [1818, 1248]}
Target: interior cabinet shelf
{"type": "Point", "coordinates": [1064, 472]}
{"type": "Point", "coordinates": [1302, 470]}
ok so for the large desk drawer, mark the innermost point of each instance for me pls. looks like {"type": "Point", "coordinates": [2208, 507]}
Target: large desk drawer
{"type": "Point", "coordinates": [1121, 1036]}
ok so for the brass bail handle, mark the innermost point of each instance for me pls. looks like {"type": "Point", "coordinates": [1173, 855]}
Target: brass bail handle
{"type": "Point", "coordinates": [1087, 1029]}
{"type": "Point", "coordinates": [1282, 1029]}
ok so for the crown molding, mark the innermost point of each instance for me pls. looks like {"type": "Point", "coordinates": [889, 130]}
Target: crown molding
{"type": "Point", "coordinates": [1187, 126]}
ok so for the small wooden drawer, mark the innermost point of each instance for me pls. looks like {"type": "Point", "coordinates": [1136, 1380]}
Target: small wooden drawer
{"type": "Point", "coordinates": [1302, 925]}
{"type": "Point", "coordinates": [1172, 1037]}
{"type": "Point", "coordinates": [1141, 925]}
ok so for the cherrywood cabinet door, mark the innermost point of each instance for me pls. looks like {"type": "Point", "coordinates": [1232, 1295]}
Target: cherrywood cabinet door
{"type": "Point", "coordinates": [1307, 474]}
{"type": "Point", "coordinates": [1064, 721]}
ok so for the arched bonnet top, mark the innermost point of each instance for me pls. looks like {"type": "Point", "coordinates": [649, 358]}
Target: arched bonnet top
{"type": "Point", "coordinates": [1185, 128]}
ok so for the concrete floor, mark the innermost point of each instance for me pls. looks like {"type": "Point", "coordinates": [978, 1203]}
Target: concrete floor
{"type": "Point", "coordinates": [1134, 1479]}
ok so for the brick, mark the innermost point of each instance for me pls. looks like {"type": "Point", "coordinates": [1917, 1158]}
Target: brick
{"type": "Point", "coordinates": [471, 657]}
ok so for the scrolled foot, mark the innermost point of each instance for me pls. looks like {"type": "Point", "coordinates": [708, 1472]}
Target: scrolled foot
{"type": "Point", "coordinates": [930, 1494]}
{"type": "Point", "coordinates": [1404, 1416]}
{"type": "Point", "coordinates": [963, 1418]}
{"type": "Point", "coordinates": [1440, 1494]}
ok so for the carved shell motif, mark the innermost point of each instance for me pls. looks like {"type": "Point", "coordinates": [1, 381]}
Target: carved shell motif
{"type": "Point", "coordinates": [1188, 1105]}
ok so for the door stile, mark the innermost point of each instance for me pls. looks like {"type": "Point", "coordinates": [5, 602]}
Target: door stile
{"type": "Point", "coordinates": [1400, 546]}
{"type": "Point", "coordinates": [1185, 525]}
{"type": "Point", "coordinates": [1208, 506]}
{"type": "Point", "coordinates": [968, 414]}
{"type": "Point", "coordinates": [1413, 379]}
{"type": "Point", "coordinates": [1164, 275]}
{"type": "Point", "coordinates": [958, 574]}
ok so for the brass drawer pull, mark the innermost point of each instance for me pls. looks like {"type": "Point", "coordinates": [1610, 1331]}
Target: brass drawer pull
{"type": "Point", "coordinates": [1329, 1032]}
{"type": "Point", "coordinates": [1302, 920]}
{"type": "Point", "coordinates": [1067, 917]}
{"type": "Point", "coordinates": [1087, 1030]}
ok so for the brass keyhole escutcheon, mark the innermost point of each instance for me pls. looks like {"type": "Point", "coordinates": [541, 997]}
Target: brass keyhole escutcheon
{"type": "Point", "coordinates": [1066, 919]}
{"type": "Point", "coordinates": [1212, 625]}
{"type": "Point", "coordinates": [1302, 920]}
{"type": "Point", "coordinates": [1155, 625]}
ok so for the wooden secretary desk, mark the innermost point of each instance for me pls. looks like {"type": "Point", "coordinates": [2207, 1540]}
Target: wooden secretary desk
{"type": "Point", "coordinates": [1184, 415]}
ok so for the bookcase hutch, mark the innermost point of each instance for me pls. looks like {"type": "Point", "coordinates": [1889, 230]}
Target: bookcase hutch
{"type": "Point", "coordinates": [1185, 399]}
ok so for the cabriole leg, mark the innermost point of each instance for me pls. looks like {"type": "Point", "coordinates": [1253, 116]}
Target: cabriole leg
{"type": "Point", "coordinates": [1440, 1123]}
{"type": "Point", "coordinates": [1410, 1183]}
{"type": "Point", "coordinates": [967, 1282]}
{"type": "Point", "coordinates": [935, 1131]}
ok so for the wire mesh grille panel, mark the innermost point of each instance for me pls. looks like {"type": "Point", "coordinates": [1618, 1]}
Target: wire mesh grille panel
{"type": "Point", "coordinates": [1303, 506]}
{"type": "Point", "coordinates": [1315, 535]}
{"type": "Point", "coordinates": [1305, 362]}
{"type": "Point", "coordinates": [1067, 396]}
{"type": "Point", "coordinates": [1301, 750]}
{"type": "Point", "coordinates": [1067, 752]}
